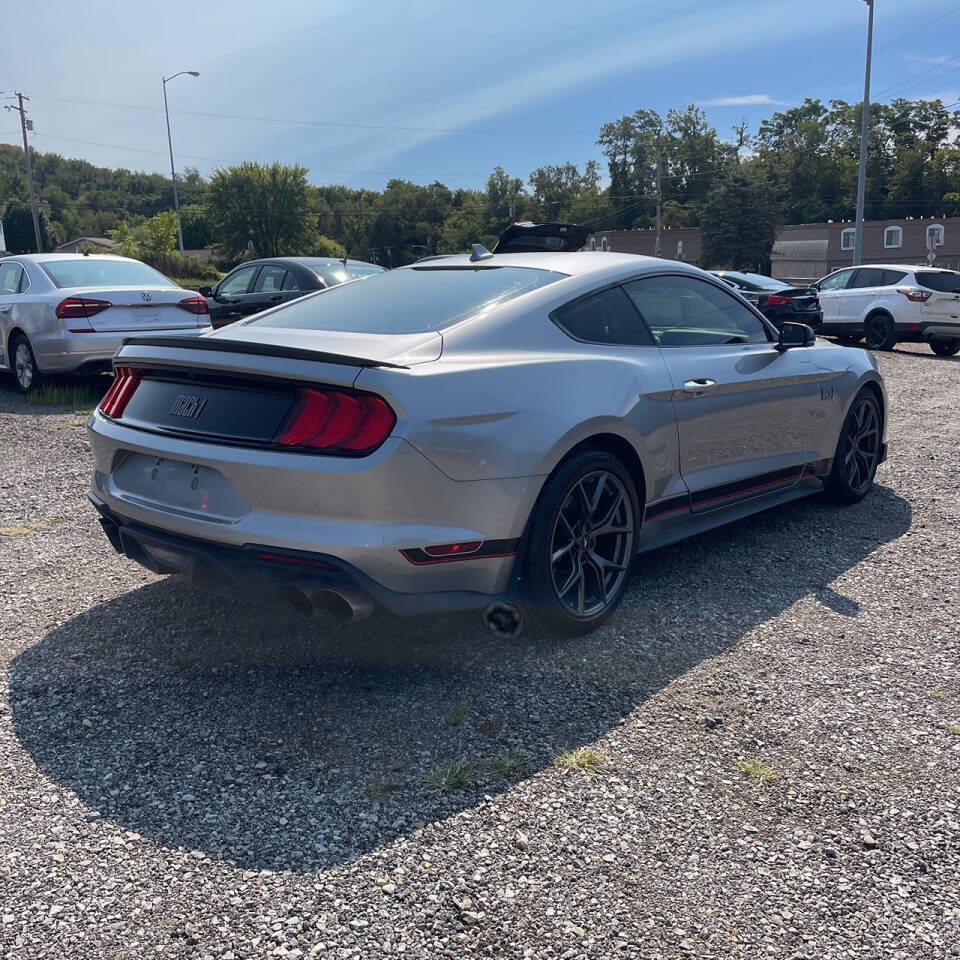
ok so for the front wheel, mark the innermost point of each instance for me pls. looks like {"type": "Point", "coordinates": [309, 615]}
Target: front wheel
{"type": "Point", "coordinates": [24, 364]}
{"type": "Point", "coordinates": [858, 450]}
{"type": "Point", "coordinates": [945, 348]}
{"type": "Point", "coordinates": [582, 540]}
{"type": "Point", "coordinates": [879, 332]}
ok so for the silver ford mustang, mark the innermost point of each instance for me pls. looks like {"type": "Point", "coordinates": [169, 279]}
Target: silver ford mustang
{"type": "Point", "coordinates": [502, 432]}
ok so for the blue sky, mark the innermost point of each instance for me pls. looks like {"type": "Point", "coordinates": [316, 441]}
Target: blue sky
{"type": "Point", "coordinates": [437, 90]}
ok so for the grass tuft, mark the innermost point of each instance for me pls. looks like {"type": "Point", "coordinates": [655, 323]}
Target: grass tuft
{"type": "Point", "coordinates": [457, 776]}
{"type": "Point", "coordinates": [583, 759]}
{"type": "Point", "coordinates": [954, 728]}
{"type": "Point", "coordinates": [26, 529]}
{"type": "Point", "coordinates": [757, 769]}
{"type": "Point", "coordinates": [382, 789]}
{"type": "Point", "coordinates": [81, 396]}
{"type": "Point", "coordinates": [510, 763]}
{"type": "Point", "coordinates": [456, 715]}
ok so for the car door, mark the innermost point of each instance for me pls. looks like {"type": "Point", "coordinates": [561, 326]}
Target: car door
{"type": "Point", "coordinates": [267, 289]}
{"type": "Point", "coordinates": [13, 283]}
{"type": "Point", "coordinates": [228, 296]}
{"type": "Point", "coordinates": [830, 290]}
{"type": "Point", "coordinates": [747, 413]}
{"type": "Point", "coordinates": [858, 296]}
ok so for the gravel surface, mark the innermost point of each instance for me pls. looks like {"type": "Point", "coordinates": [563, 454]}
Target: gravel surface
{"type": "Point", "coordinates": [773, 722]}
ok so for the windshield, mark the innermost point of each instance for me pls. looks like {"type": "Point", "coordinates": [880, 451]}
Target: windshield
{"type": "Point", "coordinates": [943, 282]}
{"type": "Point", "coordinates": [99, 272]}
{"type": "Point", "coordinates": [412, 300]}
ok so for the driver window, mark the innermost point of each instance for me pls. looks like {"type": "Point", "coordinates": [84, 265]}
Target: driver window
{"type": "Point", "coordinates": [685, 311]}
{"type": "Point", "coordinates": [236, 283]}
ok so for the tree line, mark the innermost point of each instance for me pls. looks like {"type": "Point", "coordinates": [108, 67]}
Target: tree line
{"type": "Point", "coordinates": [799, 166]}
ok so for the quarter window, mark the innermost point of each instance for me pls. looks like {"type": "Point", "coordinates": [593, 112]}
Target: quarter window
{"type": "Point", "coordinates": [606, 317]}
{"type": "Point", "coordinates": [236, 283]}
{"type": "Point", "coordinates": [892, 237]}
{"type": "Point", "coordinates": [689, 312]}
{"type": "Point", "coordinates": [848, 238]}
{"type": "Point", "coordinates": [936, 229]}
{"type": "Point", "coordinates": [291, 281]}
{"type": "Point", "coordinates": [892, 277]}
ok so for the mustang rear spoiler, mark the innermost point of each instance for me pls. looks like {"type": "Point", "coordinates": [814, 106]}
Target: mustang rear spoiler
{"type": "Point", "coordinates": [261, 349]}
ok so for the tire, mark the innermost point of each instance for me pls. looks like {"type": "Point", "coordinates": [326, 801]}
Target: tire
{"type": "Point", "coordinates": [573, 576]}
{"type": "Point", "coordinates": [26, 375]}
{"type": "Point", "coordinates": [879, 332]}
{"type": "Point", "coordinates": [858, 450]}
{"type": "Point", "coordinates": [945, 348]}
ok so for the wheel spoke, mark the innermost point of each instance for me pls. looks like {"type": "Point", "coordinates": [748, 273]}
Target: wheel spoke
{"type": "Point", "coordinates": [606, 524]}
{"type": "Point", "coordinates": [573, 578]}
{"type": "Point", "coordinates": [597, 494]}
{"type": "Point", "coordinates": [562, 552]}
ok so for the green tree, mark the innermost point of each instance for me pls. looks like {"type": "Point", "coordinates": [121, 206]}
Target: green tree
{"type": "Point", "coordinates": [264, 207]}
{"type": "Point", "coordinates": [738, 223]}
{"type": "Point", "coordinates": [325, 247]}
{"type": "Point", "coordinates": [18, 229]}
{"type": "Point", "coordinates": [159, 237]}
{"type": "Point", "coordinates": [125, 241]}
{"type": "Point", "coordinates": [195, 223]}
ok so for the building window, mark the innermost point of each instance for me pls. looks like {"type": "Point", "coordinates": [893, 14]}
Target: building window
{"type": "Point", "coordinates": [679, 249]}
{"type": "Point", "coordinates": [936, 229]}
{"type": "Point", "coordinates": [603, 244]}
{"type": "Point", "coordinates": [593, 243]}
{"type": "Point", "coordinates": [848, 238]}
{"type": "Point", "coordinates": [892, 237]}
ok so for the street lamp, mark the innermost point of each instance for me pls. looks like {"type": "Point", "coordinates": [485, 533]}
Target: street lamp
{"type": "Point", "coordinates": [173, 172]}
{"type": "Point", "coordinates": [864, 129]}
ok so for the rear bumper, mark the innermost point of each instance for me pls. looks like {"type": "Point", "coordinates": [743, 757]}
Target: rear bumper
{"type": "Point", "coordinates": [780, 315]}
{"type": "Point", "coordinates": [269, 576]}
{"type": "Point", "coordinates": [925, 331]}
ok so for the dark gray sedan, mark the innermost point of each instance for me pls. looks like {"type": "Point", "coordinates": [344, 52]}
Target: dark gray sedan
{"type": "Point", "coordinates": [260, 284]}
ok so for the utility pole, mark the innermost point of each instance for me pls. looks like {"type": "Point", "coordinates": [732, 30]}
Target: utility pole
{"type": "Point", "coordinates": [25, 125]}
{"type": "Point", "coordinates": [864, 134]}
{"type": "Point", "coordinates": [173, 172]}
{"type": "Point", "coordinates": [658, 249]}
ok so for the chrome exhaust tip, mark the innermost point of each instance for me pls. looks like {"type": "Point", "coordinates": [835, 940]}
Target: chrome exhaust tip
{"type": "Point", "coordinates": [504, 620]}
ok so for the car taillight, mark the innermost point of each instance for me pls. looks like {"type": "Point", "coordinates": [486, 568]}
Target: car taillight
{"type": "Point", "coordinates": [197, 305]}
{"type": "Point", "coordinates": [118, 396]}
{"type": "Point", "coordinates": [80, 308]}
{"type": "Point", "coordinates": [337, 420]}
{"type": "Point", "coordinates": [915, 294]}
{"type": "Point", "coordinates": [776, 299]}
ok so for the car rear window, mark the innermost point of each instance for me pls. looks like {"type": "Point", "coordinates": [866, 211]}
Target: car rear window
{"type": "Point", "coordinates": [411, 300]}
{"type": "Point", "coordinates": [95, 272]}
{"type": "Point", "coordinates": [943, 282]}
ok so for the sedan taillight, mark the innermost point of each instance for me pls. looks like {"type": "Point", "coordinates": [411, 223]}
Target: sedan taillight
{"type": "Point", "coordinates": [776, 300]}
{"type": "Point", "coordinates": [336, 420]}
{"type": "Point", "coordinates": [118, 396]}
{"type": "Point", "coordinates": [915, 294]}
{"type": "Point", "coordinates": [197, 305]}
{"type": "Point", "coordinates": [80, 308]}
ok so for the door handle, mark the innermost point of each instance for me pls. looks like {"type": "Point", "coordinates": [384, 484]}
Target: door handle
{"type": "Point", "coordinates": [701, 385]}
{"type": "Point", "coordinates": [6, 309]}
{"type": "Point", "coordinates": [276, 299]}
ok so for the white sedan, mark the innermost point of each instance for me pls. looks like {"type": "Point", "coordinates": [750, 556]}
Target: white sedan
{"type": "Point", "coordinates": [69, 313]}
{"type": "Point", "coordinates": [889, 303]}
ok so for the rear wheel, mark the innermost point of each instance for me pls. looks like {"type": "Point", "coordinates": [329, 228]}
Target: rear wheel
{"type": "Point", "coordinates": [879, 332]}
{"type": "Point", "coordinates": [582, 540]}
{"type": "Point", "coordinates": [858, 450]}
{"type": "Point", "coordinates": [24, 364]}
{"type": "Point", "coordinates": [945, 348]}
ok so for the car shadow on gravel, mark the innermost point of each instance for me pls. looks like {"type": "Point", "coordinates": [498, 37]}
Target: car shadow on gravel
{"type": "Point", "coordinates": [271, 742]}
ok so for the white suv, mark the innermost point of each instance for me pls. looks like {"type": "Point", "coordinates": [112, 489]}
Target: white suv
{"type": "Point", "coordinates": [887, 303]}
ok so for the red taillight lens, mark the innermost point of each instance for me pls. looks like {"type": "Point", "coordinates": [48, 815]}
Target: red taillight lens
{"type": "Point", "coordinates": [337, 420]}
{"type": "Point", "coordinates": [914, 294]}
{"type": "Point", "coordinates": [776, 300]}
{"type": "Point", "coordinates": [197, 305]}
{"type": "Point", "coordinates": [118, 396]}
{"type": "Point", "coordinates": [454, 549]}
{"type": "Point", "coordinates": [79, 308]}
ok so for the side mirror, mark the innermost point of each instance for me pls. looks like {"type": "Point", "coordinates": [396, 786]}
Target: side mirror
{"type": "Point", "coordinates": [205, 291]}
{"type": "Point", "coordinates": [795, 335]}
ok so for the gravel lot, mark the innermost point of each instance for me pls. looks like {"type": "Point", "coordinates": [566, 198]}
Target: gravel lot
{"type": "Point", "coordinates": [775, 712]}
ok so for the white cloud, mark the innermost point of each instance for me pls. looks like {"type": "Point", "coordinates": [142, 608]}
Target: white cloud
{"type": "Point", "coordinates": [747, 100]}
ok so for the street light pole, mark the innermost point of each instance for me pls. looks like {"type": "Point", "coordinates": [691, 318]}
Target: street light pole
{"type": "Point", "coordinates": [864, 133]}
{"type": "Point", "coordinates": [26, 125]}
{"type": "Point", "coordinates": [173, 171]}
